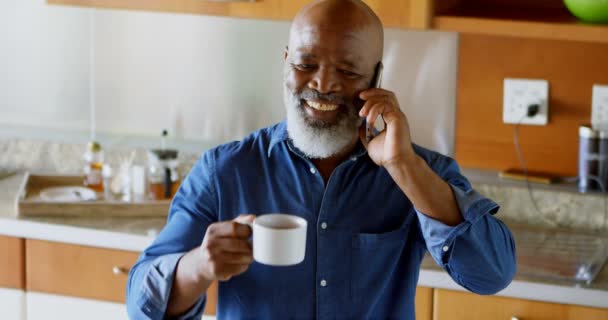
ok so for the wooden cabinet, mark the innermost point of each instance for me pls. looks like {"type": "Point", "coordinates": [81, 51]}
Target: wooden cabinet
{"type": "Point", "coordinates": [78, 271]}
{"type": "Point", "coordinates": [394, 13]}
{"type": "Point", "coordinates": [547, 19]}
{"type": "Point", "coordinates": [424, 303]}
{"type": "Point", "coordinates": [12, 262]}
{"type": "Point", "coordinates": [456, 305]}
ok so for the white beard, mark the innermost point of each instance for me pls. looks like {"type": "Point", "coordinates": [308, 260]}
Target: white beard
{"type": "Point", "coordinates": [319, 140]}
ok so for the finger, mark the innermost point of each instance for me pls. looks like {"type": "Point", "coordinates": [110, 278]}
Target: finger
{"type": "Point", "coordinates": [224, 272]}
{"type": "Point", "coordinates": [234, 258]}
{"type": "Point", "coordinates": [362, 136]}
{"type": "Point", "coordinates": [231, 229]}
{"type": "Point", "coordinates": [235, 245]}
{"type": "Point", "coordinates": [375, 110]}
{"type": "Point", "coordinates": [232, 270]}
{"type": "Point", "coordinates": [372, 92]}
{"type": "Point", "coordinates": [245, 219]}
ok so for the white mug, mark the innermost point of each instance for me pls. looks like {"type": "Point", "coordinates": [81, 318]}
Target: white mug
{"type": "Point", "coordinates": [279, 239]}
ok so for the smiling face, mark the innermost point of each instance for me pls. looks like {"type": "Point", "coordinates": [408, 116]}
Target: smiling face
{"type": "Point", "coordinates": [333, 49]}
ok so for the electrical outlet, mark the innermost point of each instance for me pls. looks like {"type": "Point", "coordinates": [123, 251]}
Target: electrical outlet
{"type": "Point", "coordinates": [599, 107]}
{"type": "Point", "coordinates": [518, 94]}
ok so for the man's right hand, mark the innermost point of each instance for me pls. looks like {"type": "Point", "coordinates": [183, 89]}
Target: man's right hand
{"type": "Point", "coordinates": [226, 250]}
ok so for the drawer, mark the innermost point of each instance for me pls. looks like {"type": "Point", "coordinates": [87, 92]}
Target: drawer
{"type": "Point", "coordinates": [456, 305]}
{"type": "Point", "coordinates": [12, 262]}
{"type": "Point", "coordinates": [78, 271]}
{"type": "Point", "coordinates": [424, 303]}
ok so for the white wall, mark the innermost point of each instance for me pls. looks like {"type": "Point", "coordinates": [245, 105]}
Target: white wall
{"type": "Point", "coordinates": [202, 77]}
{"type": "Point", "coordinates": [44, 65]}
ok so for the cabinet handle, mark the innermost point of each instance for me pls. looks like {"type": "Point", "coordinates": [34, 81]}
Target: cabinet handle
{"type": "Point", "coordinates": [515, 318]}
{"type": "Point", "coordinates": [116, 270]}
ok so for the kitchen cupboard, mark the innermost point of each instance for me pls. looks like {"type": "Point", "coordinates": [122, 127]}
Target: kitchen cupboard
{"type": "Point", "coordinates": [394, 13]}
{"type": "Point", "coordinates": [43, 306]}
{"type": "Point", "coordinates": [12, 296]}
{"type": "Point", "coordinates": [547, 19]}
{"type": "Point", "coordinates": [12, 304]}
{"type": "Point", "coordinates": [457, 305]}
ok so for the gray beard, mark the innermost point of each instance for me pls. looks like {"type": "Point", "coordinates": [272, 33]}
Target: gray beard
{"type": "Point", "coordinates": [319, 140]}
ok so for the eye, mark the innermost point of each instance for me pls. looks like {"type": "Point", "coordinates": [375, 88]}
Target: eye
{"type": "Point", "coordinates": [305, 66]}
{"type": "Point", "coordinates": [349, 74]}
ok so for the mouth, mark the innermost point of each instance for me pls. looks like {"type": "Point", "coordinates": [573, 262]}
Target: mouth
{"type": "Point", "coordinates": [327, 113]}
{"type": "Point", "coordinates": [321, 106]}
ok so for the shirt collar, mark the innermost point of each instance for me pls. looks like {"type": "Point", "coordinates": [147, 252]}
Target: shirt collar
{"type": "Point", "coordinates": [280, 135]}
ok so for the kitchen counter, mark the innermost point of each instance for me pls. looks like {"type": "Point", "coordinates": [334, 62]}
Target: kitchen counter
{"type": "Point", "coordinates": [135, 234]}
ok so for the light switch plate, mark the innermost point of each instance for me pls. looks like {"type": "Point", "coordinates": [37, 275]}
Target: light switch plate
{"type": "Point", "coordinates": [599, 107]}
{"type": "Point", "coordinates": [518, 94]}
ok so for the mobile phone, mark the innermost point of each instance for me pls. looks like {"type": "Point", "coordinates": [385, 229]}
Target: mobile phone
{"type": "Point", "coordinates": [376, 81]}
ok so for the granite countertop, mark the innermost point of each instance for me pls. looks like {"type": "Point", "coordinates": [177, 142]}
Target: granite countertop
{"type": "Point", "coordinates": [135, 234]}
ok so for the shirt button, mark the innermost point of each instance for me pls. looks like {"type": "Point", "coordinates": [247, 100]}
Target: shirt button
{"type": "Point", "coordinates": [323, 225]}
{"type": "Point", "coordinates": [353, 159]}
{"type": "Point", "coordinates": [323, 283]}
{"type": "Point", "coordinates": [445, 248]}
{"type": "Point", "coordinates": [313, 170]}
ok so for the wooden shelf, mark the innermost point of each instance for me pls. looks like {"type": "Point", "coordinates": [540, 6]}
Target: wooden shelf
{"type": "Point", "coordinates": [548, 24]}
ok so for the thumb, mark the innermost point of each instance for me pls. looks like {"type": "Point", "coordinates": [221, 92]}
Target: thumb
{"type": "Point", "coordinates": [245, 219]}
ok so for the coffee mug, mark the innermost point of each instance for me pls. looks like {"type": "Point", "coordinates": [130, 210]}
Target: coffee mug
{"type": "Point", "coordinates": [279, 239]}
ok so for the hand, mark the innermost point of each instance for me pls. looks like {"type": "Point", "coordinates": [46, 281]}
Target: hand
{"type": "Point", "coordinates": [392, 146]}
{"type": "Point", "coordinates": [226, 250]}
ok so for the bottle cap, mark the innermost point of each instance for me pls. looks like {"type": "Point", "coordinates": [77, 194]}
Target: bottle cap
{"type": "Point", "coordinates": [94, 146]}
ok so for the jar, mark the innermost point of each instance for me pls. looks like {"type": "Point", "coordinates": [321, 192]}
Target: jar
{"type": "Point", "coordinates": [93, 158]}
{"type": "Point", "coordinates": [163, 173]}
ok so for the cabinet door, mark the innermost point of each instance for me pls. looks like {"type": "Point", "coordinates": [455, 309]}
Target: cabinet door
{"type": "Point", "coordinates": [393, 13]}
{"type": "Point", "coordinates": [78, 271]}
{"type": "Point", "coordinates": [456, 305]}
{"type": "Point", "coordinates": [12, 262]}
{"type": "Point", "coordinates": [12, 304]}
{"type": "Point", "coordinates": [424, 303]}
{"type": "Point", "coordinates": [42, 306]}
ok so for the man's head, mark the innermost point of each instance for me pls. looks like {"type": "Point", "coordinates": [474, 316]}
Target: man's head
{"type": "Point", "coordinates": [334, 46]}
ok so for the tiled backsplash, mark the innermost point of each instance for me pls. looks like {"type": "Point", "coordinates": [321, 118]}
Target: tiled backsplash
{"type": "Point", "coordinates": [559, 207]}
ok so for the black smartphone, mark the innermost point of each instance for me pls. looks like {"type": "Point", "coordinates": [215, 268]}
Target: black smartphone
{"type": "Point", "coordinates": [376, 81]}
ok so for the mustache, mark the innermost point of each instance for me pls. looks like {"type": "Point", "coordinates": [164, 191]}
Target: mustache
{"type": "Point", "coordinates": [316, 95]}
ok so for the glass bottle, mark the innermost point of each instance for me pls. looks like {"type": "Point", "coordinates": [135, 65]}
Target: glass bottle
{"type": "Point", "coordinates": [163, 173]}
{"type": "Point", "coordinates": [93, 158]}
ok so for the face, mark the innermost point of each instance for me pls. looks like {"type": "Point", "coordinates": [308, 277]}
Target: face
{"type": "Point", "coordinates": [324, 73]}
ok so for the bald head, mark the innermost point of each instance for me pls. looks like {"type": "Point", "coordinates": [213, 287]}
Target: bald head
{"type": "Point", "coordinates": [352, 19]}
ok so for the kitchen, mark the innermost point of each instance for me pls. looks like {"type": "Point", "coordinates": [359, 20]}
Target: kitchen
{"type": "Point", "coordinates": [209, 72]}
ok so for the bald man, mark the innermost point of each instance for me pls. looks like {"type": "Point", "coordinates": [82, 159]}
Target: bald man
{"type": "Point", "coordinates": [373, 207]}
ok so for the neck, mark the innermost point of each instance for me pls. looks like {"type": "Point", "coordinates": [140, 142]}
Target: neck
{"type": "Point", "coordinates": [327, 165]}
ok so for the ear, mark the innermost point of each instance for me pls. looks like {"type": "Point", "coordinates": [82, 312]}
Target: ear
{"type": "Point", "coordinates": [286, 52]}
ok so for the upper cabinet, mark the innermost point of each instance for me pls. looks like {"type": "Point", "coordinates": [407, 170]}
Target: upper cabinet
{"type": "Point", "coordinates": [415, 14]}
{"type": "Point", "coordinates": [541, 19]}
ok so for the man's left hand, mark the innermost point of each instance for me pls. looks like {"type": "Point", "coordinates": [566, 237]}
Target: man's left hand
{"type": "Point", "coordinates": [393, 146]}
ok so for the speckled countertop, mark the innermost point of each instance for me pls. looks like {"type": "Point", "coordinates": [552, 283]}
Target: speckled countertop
{"type": "Point", "coordinates": [134, 234]}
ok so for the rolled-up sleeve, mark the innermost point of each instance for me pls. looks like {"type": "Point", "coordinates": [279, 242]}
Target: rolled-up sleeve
{"type": "Point", "coordinates": [150, 281]}
{"type": "Point", "coordinates": [478, 253]}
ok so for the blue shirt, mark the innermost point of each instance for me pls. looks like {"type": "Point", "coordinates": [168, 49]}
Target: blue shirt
{"type": "Point", "coordinates": [365, 239]}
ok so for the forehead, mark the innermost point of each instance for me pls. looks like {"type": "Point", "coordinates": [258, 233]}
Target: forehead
{"type": "Point", "coordinates": [328, 42]}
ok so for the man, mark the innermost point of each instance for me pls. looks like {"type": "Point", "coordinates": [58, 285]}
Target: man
{"type": "Point", "coordinates": [373, 208]}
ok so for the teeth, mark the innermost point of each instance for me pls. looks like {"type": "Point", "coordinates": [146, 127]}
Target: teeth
{"type": "Point", "coordinates": [322, 106]}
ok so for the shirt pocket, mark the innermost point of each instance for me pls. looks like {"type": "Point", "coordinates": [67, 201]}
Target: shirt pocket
{"type": "Point", "coordinates": [374, 258]}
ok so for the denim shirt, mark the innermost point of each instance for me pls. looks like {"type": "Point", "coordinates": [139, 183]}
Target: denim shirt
{"type": "Point", "coordinates": [365, 239]}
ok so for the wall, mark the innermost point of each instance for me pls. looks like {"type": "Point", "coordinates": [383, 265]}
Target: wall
{"type": "Point", "coordinates": [483, 141]}
{"type": "Point", "coordinates": [202, 77]}
{"type": "Point", "coordinates": [44, 65]}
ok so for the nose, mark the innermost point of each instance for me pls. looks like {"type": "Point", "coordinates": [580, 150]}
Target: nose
{"type": "Point", "coordinates": [325, 81]}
